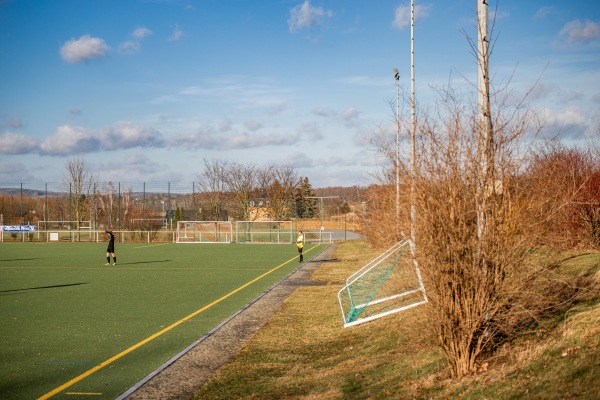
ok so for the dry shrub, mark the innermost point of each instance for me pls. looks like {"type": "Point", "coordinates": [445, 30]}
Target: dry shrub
{"type": "Point", "coordinates": [564, 184]}
{"type": "Point", "coordinates": [381, 225]}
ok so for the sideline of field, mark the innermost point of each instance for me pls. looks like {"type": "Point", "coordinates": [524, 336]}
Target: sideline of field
{"type": "Point", "coordinates": [65, 315]}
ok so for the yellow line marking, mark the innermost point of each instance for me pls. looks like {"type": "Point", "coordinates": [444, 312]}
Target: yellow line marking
{"type": "Point", "coordinates": [150, 338]}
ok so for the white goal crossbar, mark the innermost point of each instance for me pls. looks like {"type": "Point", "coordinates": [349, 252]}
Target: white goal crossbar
{"type": "Point", "coordinates": [383, 280]}
{"type": "Point", "coordinates": [264, 232]}
{"type": "Point", "coordinates": [204, 232]}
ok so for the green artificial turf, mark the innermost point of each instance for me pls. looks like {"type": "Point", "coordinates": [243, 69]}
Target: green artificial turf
{"type": "Point", "coordinates": [67, 319]}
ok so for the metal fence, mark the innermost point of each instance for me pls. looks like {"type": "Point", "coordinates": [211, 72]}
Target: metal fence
{"type": "Point", "coordinates": [82, 212]}
{"type": "Point", "coordinates": [137, 211]}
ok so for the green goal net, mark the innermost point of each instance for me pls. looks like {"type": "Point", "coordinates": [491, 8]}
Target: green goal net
{"type": "Point", "coordinates": [388, 284]}
{"type": "Point", "coordinates": [264, 232]}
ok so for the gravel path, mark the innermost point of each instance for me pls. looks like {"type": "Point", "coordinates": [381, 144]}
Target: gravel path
{"type": "Point", "coordinates": [182, 376]}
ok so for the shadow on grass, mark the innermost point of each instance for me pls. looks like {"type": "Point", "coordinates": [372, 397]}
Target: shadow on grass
{"type": "Point", "coordinates": [44, 287]}
{"type": "Point", "coordinates": [140, 262]}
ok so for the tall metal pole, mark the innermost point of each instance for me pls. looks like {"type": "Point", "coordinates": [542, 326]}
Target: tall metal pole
{"type": "Point", "coordinates": [413, 154]}
{"type": "Point", "coordinates": [485, 155]}
{"type": "Point", "coordinates": [397, 77]}
{"type": "Point", "coordinates": [413, 129]}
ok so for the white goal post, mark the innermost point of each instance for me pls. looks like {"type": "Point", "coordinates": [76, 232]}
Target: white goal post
{"type": "Point", "coordinates": [388, 284]}
{"type": "Point", "coordinates": [204, 232]}
{"type": "Point", "coordinates": [264, 232]}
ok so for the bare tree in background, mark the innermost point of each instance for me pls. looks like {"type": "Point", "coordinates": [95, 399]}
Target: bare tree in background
{"type": "Point", "coordinates": [108, 204]}
{"type": "Point", "coordinates": [279, 190]}
{"type": "Point", "coordinates": [242, 182]}
{"type": "Point", "coordinates": [213, 182]}
{"type": "Point", "coordinates": [79, 183]}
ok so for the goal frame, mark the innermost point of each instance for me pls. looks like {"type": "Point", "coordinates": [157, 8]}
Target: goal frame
{"type": "Point", "coordinates": [274, 234]}
{"type": "Point", "coordinates": [204, 232]}
{"type": "Point", "coordinates": [356, 276]}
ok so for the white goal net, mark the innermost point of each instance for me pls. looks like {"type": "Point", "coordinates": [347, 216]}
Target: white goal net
{"type": "Point", "coordinates": [204, 232]}
{"type": "Point", "coordinates": [388, 284]}
{"type": "Point", "coordinates": [264, 232]}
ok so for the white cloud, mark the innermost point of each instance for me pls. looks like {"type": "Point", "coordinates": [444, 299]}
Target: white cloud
{"type": "Point", "coordinates": [130, 47]}
{"type": "Point", "coordinates": [85, 48]}
{"type": "Point", "coordinates": [569, 122]}
{"type": "Point", "coordinates": [13, 172]}
{"type": "Point", "coordinates": [350, 113]}
{"type": "Point", "coordinates": [176, 35]}
{"type": "Point", "coordinates": [13, 143]}
{"type": "Point", "coordinates": [402, 16]}
{"type": "Point", "coordinates": [307, 16]}
{"type": "Point", "coordinates": [70, 139]}
{"type": "Point", "coordinates": [593, 130]}
{"type": "Point", "coordinates": [134, 46]}
{"type": "Point", "coordinates": [210, 138]}
{"type": "Point", "coordinates": [577, 31]}
{"type": "Point", "coordinates": [141, 32]}
{"type": "Point", "coordinates": [543, 12]}
{"type": "Point", "coordinates": [253, 125]}
{"type": "Point", "coordinates": [126, 135]}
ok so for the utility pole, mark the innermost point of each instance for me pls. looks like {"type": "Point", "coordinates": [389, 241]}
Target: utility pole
{"type": "Point", "coordinates": [486, 140]}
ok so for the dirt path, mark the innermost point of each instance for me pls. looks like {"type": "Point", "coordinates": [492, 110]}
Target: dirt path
{"type": "Point", "coordinates": [182, 376]}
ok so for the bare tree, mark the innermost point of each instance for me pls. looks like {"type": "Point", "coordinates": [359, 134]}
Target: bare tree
{"type": "Point", "coordinates": [280, 191]}
{"type": "Point", "coordinates": [109, 203]}
{"type": "Point", "coordinates": [79, 183]}
{"type": "Point", "coordinates": [472, 278]}
{"type": "Point", "coordinates": [241, 181]}
{"type": "Point", "coordinates": [213, 181]}
{"type": "Point", "coordinates": [471, 217]}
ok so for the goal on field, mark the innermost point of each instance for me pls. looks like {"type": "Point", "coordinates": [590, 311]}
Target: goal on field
{"type": "Point", "coordinates": [264, 232]}
{"type": "Point", "coordinates": [204, 232]}
{"type": "Point", "coordinates": [388, 284]}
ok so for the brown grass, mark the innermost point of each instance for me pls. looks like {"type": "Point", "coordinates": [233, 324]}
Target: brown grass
{"type": "Point", "coordinates": [305, 353]}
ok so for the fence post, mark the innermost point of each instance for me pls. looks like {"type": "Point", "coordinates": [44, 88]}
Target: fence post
{"type": "Point", "coordinates": [119, 208]}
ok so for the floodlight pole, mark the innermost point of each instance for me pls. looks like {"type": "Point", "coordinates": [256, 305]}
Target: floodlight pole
{"type": "Point", "coordinates": [321, 210]}
{"type": "Point", "coordinates": [413, 153]}
{"type": "Point", "coordinates": [413, 130]}
{"type": "Point", "coordinates": [397, 77]}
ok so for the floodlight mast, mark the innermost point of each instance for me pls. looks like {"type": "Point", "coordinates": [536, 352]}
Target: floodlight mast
{"type": "Point", "coordinates": [397, 77]}
{"type": "Point", "coordinates": [321, 197]}
{"type": "Point", "coordinates": [413, 152]}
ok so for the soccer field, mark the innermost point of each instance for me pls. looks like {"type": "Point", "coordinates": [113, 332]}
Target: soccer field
{"type": "Point", "coordinates": [75, 328]}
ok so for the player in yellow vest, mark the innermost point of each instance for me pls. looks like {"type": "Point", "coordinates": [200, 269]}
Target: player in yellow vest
{"type": "Point", "coordinates": [300, 244]}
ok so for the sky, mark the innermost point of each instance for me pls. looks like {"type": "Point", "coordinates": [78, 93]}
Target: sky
{"type": "Point", "coordinates": [146, 90]}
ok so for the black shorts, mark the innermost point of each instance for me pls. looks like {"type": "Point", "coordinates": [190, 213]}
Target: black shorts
{"type": "Point", "coordinates": [110, 248]}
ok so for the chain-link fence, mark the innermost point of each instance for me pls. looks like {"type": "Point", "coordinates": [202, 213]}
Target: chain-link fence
{"type": "Point", "coordinates": [141, 211]}
{"type": "Point", "coordinates": [67, 211]}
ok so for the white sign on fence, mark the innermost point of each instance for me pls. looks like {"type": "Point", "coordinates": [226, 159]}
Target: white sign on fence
{"type": "Point", "coordinates": [18, 228]}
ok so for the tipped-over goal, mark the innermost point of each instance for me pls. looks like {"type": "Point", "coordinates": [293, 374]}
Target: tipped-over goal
{"type": "Point", "coordinates": [388, 284]}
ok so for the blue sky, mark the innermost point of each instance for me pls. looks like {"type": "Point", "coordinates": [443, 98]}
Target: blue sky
{"type": "Point", "coordinates": [144, 90]}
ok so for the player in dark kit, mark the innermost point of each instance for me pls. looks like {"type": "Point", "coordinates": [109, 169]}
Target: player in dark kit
{"type": "Point", "coordinates": [110, 250]}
